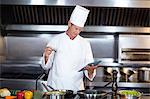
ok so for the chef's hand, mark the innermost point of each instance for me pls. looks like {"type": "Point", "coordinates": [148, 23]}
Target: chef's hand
{"type": "Point", "coordinates": [47, 52]}
{"type": "Point", "coordinates": [91, 69]}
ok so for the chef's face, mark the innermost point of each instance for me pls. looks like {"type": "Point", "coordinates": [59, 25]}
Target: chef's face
{"type": "Point", "coordinates": [74, 30]}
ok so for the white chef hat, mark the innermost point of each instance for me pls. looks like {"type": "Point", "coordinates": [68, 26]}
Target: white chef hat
{"type": "Point", "coordinates": [79, 16]}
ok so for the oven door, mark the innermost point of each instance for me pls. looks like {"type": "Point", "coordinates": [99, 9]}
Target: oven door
{"type": "Point", "coordinates": [134, 49]}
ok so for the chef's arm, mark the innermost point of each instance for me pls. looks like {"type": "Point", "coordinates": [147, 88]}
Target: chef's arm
{"type": "Point", "coordinates": [47, 53]}
{"type": "Point", "coordinates": [90, 72]}
{"type": "Point", "coordinates": [47, 58]}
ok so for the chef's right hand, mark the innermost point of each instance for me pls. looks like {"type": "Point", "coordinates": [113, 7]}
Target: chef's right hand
{"type": "Point", "coordinates": [47, 52]}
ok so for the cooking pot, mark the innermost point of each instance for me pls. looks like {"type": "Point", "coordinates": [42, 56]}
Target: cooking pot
{"type": "Point", "coordinates": [144, 74]}
{"type": "Point", "coordinates": [108, 73]}
{"type": "Point", "coordinates": [69, 94]}
{"type": "Point", "coordinates": [92, 94]}
{"type": "Point", "coordinates": [129, 97]}
{"type": "Point", "coordinates": [129, 94]}
{"type": "Point", "coordinates": [54, 94]}
{"type": "Point", "coordinates": [59, 94]}
{"type": "Point", "coordinates": [128, 74]}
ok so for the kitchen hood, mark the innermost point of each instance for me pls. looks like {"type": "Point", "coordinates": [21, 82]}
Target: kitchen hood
{"type": "Point", "coordinates": [100, 3]}
{"type": "Point", "coordinates": [59, 15]}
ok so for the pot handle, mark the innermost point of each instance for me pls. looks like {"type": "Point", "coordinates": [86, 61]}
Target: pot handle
{"type": "Point", "coordinates": [45, 86]}
{"type": "Point", "coordinates": [44, 95]}
{"type": "Point", "coordinates": [106, 95]}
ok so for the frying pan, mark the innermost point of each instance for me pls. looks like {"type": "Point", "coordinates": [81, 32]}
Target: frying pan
{"type": "Point", "coordinates": [92, 94]}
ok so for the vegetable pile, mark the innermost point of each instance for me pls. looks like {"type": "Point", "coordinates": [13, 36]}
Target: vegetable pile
{"type": "Point", "coordinates": [130, 92]}
{"type": "Point", "coordinates": [55, 92]}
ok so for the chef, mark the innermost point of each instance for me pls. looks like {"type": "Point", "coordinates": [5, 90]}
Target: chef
{"type": "Point", "coordinates": [67, 53]}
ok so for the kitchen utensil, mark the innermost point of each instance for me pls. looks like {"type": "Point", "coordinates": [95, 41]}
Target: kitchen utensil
{"type": "Point", "coordinates": [45, 86]}
{"type": "Point", "coordinates": [93, 63]}
{"type": "Point", "coordinates": [50, 87]}
{"type": "Point", "coordinates": [60, 94]}
{"type": "Point", "coordinates": [144, 74]}
{"type": "Point", "coordinates": [91, 94]}
{"type": "Point", "coordinates": [128, 74]}
{"type": "Point", "coordinates": [128, 97]}
{"type": "Point", "coordinates": [103, 64]}
{"type": "Point", "coordinates": [129, 94]}
{"type": "Point", "coordinates": [54, 95]}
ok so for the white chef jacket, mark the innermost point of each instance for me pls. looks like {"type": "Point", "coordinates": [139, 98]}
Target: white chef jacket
{"type": "Point", "coordinates": [65, 62]}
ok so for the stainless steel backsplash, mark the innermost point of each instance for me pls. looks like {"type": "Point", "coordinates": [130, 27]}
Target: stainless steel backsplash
{"type": "Point", "coordinates": [30, 47]}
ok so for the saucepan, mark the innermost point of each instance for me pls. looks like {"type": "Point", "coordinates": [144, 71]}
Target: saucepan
{"type": "Point", "coordinates": [57, 94]}
{"type": "Point", "coordinates": [92, 94]}
{"type": "Point", "coordinates": [54, 95]}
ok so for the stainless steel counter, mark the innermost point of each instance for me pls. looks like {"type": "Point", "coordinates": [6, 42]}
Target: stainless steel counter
{"type": "Point", "coordinates": [17, 84]}
{"type": "Point", "coordinates": [99, 81]}
{"type": "Point", "coordinates": [30, 84]}
{"type": "Point", "coordinates": [26, 84]}
{"type": "Point", "coordinates": [120, 84]}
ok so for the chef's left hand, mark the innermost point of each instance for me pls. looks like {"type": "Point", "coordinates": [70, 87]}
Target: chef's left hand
{"type": "Point", "coordinates": [91, 69]}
